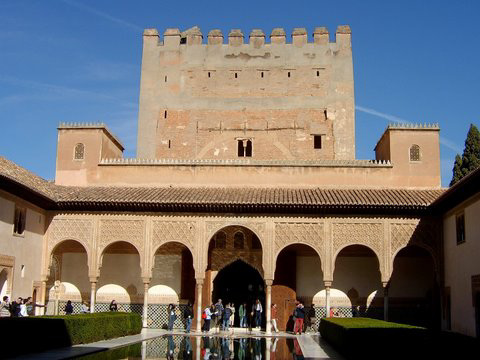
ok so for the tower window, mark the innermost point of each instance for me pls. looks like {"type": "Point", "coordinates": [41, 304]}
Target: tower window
{"type": "Point", "coordinates": [318, 73]}
{"type": "Point", "coordinates": [245, 147]}
{"type": "Point", "coordinates": [209, 74]}
{"type": "Point", "coordinates": [165, 114]}
{"type": "Point", "coordinates": [262, 74]}
{"type": "Point", "coordinates": [460, 227]}
{"type": "Point", "coordinates": [317, 141]}
{"type": "Point", "coordinates": [288, 74]}
{"type": "Point", "coordinates": [19, 220]}
{"type": "Point", "coordinates": [415, 153]}
{"type": "Point", "coordinates": [165, 78]}
{"type": "Point", "coordinates": [236, 75]}
{"type": "Point", "coordinates": [79, 153]}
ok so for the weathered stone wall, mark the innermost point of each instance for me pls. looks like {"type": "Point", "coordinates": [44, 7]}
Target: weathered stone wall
{"type": "Point", "coordinates": [197, 100]}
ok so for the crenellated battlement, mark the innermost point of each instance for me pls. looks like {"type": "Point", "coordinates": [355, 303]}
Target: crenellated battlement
{"type": "Point", "coordinates": [173, 37]}
{"type": "Point", "coordinates": [416, 126]}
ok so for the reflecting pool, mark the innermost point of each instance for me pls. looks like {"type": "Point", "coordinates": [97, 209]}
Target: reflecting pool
{"type": "Point", "coordinates": [206, 348]}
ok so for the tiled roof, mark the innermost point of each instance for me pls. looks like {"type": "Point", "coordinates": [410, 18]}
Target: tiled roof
{"type": "Point", "coordinates": [219, 198]}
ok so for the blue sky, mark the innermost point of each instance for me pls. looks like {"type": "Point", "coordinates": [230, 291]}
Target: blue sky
{"type": "Point", "coordinates": [79, 61]}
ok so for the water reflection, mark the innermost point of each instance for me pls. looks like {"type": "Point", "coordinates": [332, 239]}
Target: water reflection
{"type": "Point", "coordinates": [207, 348]}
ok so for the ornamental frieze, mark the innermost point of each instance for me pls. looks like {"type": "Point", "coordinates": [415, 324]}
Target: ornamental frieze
{"type": "Point", "coordinates": [178, 231]}
{"type": "Point", "coordinates": [130, 231]}
{"type": "Point", "coordinates": [368, 234]}
{"type": "Point", "coordinates": [70, 229]}
{"type": "Point", "coordinates": [299, 233]}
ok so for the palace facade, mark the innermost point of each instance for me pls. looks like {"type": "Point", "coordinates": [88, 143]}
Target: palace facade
{"type": "Point", "coordinates": [245, 186]}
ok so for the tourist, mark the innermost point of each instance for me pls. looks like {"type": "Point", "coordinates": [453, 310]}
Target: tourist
{"type": "Point", "coordinates": [84, 308]}
{"type": "Point", "coordinates": [299, 314]}
{"type": "Point", "coordinates": [69, 308]}
{"type": "Point", "coordinates": [218, 312]}
{"type": "Point", "coordinates": [23, 308]}
{"type": "Point", "coordinates": [5, 307]}
{"type": "Point", "coordinates": [31, 306]}
{"type": "Point", "coordinates": [226, 317]}
{"type": "Point", "coordinates": [274, 317]}
{"type": "Point", "coordinates": [15, 307]}
{"type": "Point", "coordinates": [242, 315]}
{"type": "Point", "coordinates": [172, 316]}
{"type": "Point", "coordinates": [258, 313]}
{"type": "Point", "coordinates": [207, 316]}
{"type": "Point", "coordinates": [232, 318]}
{"type": "Point", "coordinates": [113, 306]}
{"type": "Point", "coordinates": [188, 316]}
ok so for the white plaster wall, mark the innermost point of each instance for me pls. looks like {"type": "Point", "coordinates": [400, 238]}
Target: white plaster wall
{"type": "Point", "coordinates": [309, 276]}
{"type": "Point", "coordinates": [26, 249]}
{"type": "Point", "coordinates": [361, 273]}
{"type": "Point", "coordinates": [75, 271]}
{"type": "Point", "coordinates": [461, 262]}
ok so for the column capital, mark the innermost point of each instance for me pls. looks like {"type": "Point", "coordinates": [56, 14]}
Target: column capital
{"type": "Point", "coordinates": [146, 280]}
{"type": "Point", "coordinates": [327, 284]}
{"type": "Point", "coordinates": [386, 284]}
{"type": "Point", "coordinates": [199, 281]}
{"type": "Point", "coordinates": [93, 279]}
{"type": "Point", "coordinates": [269, 282]}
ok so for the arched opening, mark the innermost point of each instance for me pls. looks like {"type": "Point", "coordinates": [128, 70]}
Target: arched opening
{"type": "Point", "coordinates": [120, 278]}
{"type": "Point", "coordinates": [414, 296]}
{"type": "Point", "coordinates": [239, 283]}
{"type": "Point", "coordinates": [3, 283]}
{"type": "Point", "coordinates": [234, 247]}
{"type": "Point", "coordinates": [173, 281]}
{"type": "Point", "coordinates": [69, 265]}
{"type": "Point", "coordinates": [357, 274]}
{"type": "Point", "coordinates": [298, 276]}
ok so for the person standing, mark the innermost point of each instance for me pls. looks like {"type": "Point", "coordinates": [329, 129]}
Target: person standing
{"type": "Point", "coordinates": [15, 307]}
{"type": "Point", "coordinates": [84, 308]}
{"type": "Point", "coordinates": [258, 313]}
{"type": "Point", "coordinates": [207, 316]}
{"type": "Point", "coordinates": [218, 313]}
{"type": "Point", "coordinates": [242, 315]}
{"type": "Point", "coordinates": [171, 316]}
{"type": "Point", "coordinates": [274, 317]}
{"type": "Point", "coordinates": [188, 315]}
{"type": "Point", "coordinates": [299, 314]}
{"type": "Point", "coordinates": [23, 308]}
{"type": "Point", "coordinates": [232, 318]}
{"type": "Point", "coordinates": [226, 317]}
{"type": "Point", "coordinates": [5, 307]}
{"type": "Point", "coordinates": [69, 308]}
{"type": "Point", "coordinates": [113, 306]}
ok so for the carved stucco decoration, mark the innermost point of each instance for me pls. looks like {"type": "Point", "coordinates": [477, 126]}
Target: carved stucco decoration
{"type": "Point", "coordinates": [173, 231]}
{"type": "Point", "coordinates": [130, 231]}
{"type": "Point", "coordinates": [300, 233]}
{"type": "Point", "coordinates": [80, 230]}
{"type": "Point", "coordinates": [368, 234]}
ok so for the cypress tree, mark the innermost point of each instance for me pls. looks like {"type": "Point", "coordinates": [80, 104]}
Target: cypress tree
{"type": "Point", "coordinates": [470, 159]}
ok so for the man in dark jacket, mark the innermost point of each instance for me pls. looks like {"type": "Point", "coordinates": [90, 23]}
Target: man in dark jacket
{"type": "Point", "coordinates": [299, 315]}
{"type": "Point", "coordinates": [188, 316]}
{"type": "Point", "coordinates": [15, 307]}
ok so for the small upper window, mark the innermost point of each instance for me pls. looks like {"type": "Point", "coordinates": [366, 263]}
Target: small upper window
{"type": "Point", "coordinates": [19, 220]}
{"type": "Point", "coordinates": [460, 227]}
{"type": "Point", "coordinates": [317, 141]}
{"type": "Point", "coordinates": [238, 240]}
{"type": "Point", "coordinates": [79, 152]}
{"type": "Point", "coordinates": [220, 240]}
{"type": "Point", "coordinates": [245, 147]}
{"type": "Point", "coordinates": [415, 153]}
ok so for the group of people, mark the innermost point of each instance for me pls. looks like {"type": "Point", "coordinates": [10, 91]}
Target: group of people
{"type": "Point", "coordinates": [22, 307]}
{"type": "Point", "coordinates": [224, 316]}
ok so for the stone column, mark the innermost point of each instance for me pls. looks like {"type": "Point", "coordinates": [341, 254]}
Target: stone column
{"type": "Point", "coordinates": [93, 293]}
{"type": "Point", "coordinates": [268, 306]}
{"type": "Point", "coordinates": [327, 284]}
{"type": "Point", "coordinates": [198, 296]}
{"type": "Point", "coordinates": [146, 285]}
{"type": "Point", "coordinates": [385, 300]}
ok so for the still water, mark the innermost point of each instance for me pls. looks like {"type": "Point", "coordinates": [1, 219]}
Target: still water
{"type": "Point", "coordinates": [206, 348]}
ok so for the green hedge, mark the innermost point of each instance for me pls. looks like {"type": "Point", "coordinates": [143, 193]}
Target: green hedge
{"type": "Point", "coordinates": [49, 332]}
{"type": "Point", "coordinates": [363, 337]}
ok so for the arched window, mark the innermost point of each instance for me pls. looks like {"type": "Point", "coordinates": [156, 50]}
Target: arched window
{"type": "Point", "coordinates": [220, 240]}
{"type": "Point", "coordinates": [79, 152]}
{"type": "Point", "coordinates": [238, 240]}
{"type": "Point", "coordinates": [415, 153]}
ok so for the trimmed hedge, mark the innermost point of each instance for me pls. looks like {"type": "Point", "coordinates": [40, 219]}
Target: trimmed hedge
{"type": "Point", "coordinates": [363, 337]}
{"type": "Point", "coordinates": [50, 332]}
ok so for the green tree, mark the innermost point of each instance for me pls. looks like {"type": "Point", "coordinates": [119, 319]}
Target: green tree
{"type": "Point", "coordinates": [470, 159]}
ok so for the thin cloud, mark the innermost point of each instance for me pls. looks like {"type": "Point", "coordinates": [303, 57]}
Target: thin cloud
{"type": "Point", "coordinates": [444, 141]}
{"type": "Point", "coordinates": [103, 15]}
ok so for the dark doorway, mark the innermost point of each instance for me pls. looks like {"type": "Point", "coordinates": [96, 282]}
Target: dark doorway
{"type": "Point", "coordinates": [239, 283]}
